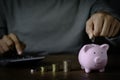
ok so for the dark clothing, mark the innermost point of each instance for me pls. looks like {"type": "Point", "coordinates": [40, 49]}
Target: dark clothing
{"type": "Point", "coordinates": [49, 25]}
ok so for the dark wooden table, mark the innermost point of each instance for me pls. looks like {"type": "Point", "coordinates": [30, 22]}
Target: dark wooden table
{"type": "Point", "coordinates": [112, 71]}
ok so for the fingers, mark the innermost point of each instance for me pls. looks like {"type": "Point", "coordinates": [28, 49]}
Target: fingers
{"type": "Point", "coordinates": [98, 21]}
{"type": "Point", "coordinates": [116, 28]}
{"type": "Point", "coordinates": [106, 26]}
{"type": "Point", "coordinates": [5, 44]}
{"type": "Point", "coordinates": [102, 24]}
{"type": "Point", "coordinates": [94, 25]}
{"type": "Point", "coordinates": [17, 43]}
{"type": "Point", "coordinates": [89, 28]}
{"type": "Point", "coordinates": [3, 47]}
{"type": "Point", "coordinates": [9, 42]}
{"type": "Point", "coordinates": [112, 28]}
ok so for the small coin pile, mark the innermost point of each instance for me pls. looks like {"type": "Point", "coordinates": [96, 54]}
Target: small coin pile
{"type": "Point", "coordinates": [65, 67]}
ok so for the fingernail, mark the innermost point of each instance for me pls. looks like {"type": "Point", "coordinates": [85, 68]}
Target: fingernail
{"type": "Point", "coordinates": [19, 52]}
{"type": "Point", "coordinates": [90, 36]}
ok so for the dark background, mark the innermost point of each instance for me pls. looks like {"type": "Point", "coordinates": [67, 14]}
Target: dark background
{"type": "Point", "coordinates": [115, 4]}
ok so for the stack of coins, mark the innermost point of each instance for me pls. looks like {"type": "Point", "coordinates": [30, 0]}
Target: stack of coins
{"type": "Point", "coordinates": [66, 66]}
{"type": "Point", "coordinates": [42, 69]}
{"type": "Point", "coordinates": [53, 67]}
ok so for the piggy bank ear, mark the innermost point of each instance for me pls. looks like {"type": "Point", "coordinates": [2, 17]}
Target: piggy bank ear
{"type": "Point", "coordinates": [87, 47]}
{"type": "Point", "coordinates": [105, 46]}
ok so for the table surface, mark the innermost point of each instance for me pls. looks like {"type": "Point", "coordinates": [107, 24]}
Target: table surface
{"type": "Point", "coordinates": [112, 70]}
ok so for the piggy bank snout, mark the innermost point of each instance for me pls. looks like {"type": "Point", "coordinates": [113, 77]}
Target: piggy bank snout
{"type": "Point", "coordinates": [98, 59]}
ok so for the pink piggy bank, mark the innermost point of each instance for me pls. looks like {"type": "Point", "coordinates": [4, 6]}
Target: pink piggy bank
{"type": "Point", "coordinates": [93, 57]}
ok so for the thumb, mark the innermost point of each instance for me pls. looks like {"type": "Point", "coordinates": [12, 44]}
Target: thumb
{"type": "Point", "coordinates": [89, 28]}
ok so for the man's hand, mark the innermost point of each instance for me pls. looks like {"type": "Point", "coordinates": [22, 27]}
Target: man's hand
{"type": "Point", "coordinates": [9, 42]}
{"type": "Point", "coordinates": [102, 24]}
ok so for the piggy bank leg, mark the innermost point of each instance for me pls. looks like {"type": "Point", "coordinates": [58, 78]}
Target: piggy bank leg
{"type": "Point", "coordinates": [102, 70]}
{"type": "Point", "coordinates": [87, 70]}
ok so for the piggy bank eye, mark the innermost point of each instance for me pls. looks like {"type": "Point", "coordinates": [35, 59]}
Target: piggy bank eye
{"type": "Point", "coordinates": [101, 52]}
{"type": "Point", "coordinates": [94, 53]}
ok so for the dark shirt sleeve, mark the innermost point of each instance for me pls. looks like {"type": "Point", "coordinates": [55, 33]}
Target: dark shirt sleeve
{"type": "Point", "coordinates": [3, 26]}
{"type": "Point", "coordinates": [104, 6]}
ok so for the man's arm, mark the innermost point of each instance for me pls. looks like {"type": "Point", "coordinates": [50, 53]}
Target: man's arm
{"type": "Point", "coordinates": [105, 6]}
